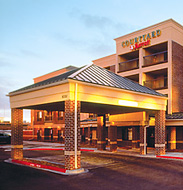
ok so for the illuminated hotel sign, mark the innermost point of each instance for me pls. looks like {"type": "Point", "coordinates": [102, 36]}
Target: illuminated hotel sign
{"type": "Point", "coordinates": [140, 41]}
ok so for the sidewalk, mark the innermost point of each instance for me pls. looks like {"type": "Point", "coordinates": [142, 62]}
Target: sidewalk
{"type": "Point", "coordinates": [37, 145]}
{"type": "Point", "coordinates": [30, 145]}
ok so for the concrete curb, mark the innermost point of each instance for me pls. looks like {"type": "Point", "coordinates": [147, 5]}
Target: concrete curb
{"type": "Point", "coordinates": [52, 169]}
{"type": "Point", "coordinates": [170, 157]}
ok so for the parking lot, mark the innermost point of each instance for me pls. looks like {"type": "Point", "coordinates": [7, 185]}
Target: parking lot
{"type": "Point", "coordinates": [106, 171]}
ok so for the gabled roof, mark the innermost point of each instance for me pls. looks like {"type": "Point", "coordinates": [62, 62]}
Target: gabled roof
{"type": "Point", "coordinates": [95, 75]}
{"type": "Point", "coordinates": [48, 81]}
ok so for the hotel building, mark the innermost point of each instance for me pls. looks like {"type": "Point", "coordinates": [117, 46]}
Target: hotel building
{"type": "Point", "coordinates": [152, 57]}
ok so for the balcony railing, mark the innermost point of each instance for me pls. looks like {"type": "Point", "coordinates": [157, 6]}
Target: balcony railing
{"type": "Point", "coordinates": [157, 84]}
{"type": "Point", "coordinates": [129, 65]}
{"type": "Point", "coordinates": [156, 58]}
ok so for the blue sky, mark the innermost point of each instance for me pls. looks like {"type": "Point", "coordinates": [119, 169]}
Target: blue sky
{"type": "Point", "coordinates": [40, 36]}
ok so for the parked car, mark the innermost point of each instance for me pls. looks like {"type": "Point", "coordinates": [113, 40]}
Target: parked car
{"type": "Point", "coordinates": [5, 138]}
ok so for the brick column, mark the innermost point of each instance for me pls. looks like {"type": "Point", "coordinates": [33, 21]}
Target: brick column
{"type": "Point", "coordinates": [16, 134]}
{"type": "Point", "coordinates": [70, 135]}
{"type": "Point", "coordinates": [142, 139]}
{"type": "Point", "coordinates": [172, 138]}
{"type": "Point", "coordinates": [160, 132]}
{"type": "Point", "coordinates": [135, 138]}
{"type": "Point", "coordinates": [101, 127]}
{"type": "Point", "coordinates": [112, 135]}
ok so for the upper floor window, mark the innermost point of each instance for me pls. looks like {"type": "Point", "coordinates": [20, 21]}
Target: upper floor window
{"type": "Point", "coordinates": [129, 65]}
{"type": "Point", "coordinates": [157, 80]}
{"type": "Point", "coordinates": [48, 115]}
{"type": "Point", "coordinates": [155, 54]}
{"type": "Point", "coordinates": [39, 116]}
{"type": "Point", "coordinates": [60, 115]}
{"type": "Point", "coordinates": [156, 58]}
{"type": "Point", "coordinates": [127, 133]}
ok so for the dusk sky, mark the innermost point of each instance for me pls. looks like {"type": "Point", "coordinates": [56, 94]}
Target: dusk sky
{"type": "Point", "coordinates": [40, 36]}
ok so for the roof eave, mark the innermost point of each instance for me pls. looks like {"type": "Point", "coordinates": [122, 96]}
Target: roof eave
{"type": "Point", "coordinates": [37, 88]}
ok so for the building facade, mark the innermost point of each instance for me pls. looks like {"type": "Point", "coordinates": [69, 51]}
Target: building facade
{"type": "Point", "coordinates": [152, 57]}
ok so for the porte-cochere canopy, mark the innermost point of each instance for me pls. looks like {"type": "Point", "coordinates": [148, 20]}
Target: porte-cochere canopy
{"type": "Point", "coordinates": [96, 85]}
{"type": "Point", "coordinates": [89, 89]}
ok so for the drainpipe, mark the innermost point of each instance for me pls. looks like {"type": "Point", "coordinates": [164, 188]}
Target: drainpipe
{"type": "Point", "coordinates": [145, 139]}
{"type": "Point", "coordinates": [75, 127]}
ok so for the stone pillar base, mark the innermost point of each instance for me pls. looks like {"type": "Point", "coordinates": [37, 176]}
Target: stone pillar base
{"type": "Point", "coordinates": [17, 153]}
{"type": "Point", "coordinates": [113, 146]}
{"type": "Point", "coordinates": [142, 149]}
{"type": "Point", "coordinates": [101, 145]}
{"type": "Point", "coordinates": [135, 144]}
{"type": "Point", "coordinates": [159, 149]}
{"type": "Point", "coordinates": [77, 171]}
{"type": "Point", "coordinates": [70, 162]}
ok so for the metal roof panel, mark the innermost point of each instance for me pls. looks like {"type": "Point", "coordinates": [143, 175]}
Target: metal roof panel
{"type": "Point", "coordinates": [96, 75]}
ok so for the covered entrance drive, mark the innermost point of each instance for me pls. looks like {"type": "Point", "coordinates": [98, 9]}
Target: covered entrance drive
{"type": "Point", "coordinates": [89, 89]}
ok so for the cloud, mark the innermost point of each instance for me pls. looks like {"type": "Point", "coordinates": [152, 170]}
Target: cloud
{"type": "Point", "coordinates": [4, 63]}
{"type": "Point", "coordinates": [106, 25]}
{"type": "Point", "coordinates": [100, 30]}
{"type": "Point", "coordinates": [70, 41]}
{"type": "Point", "coordinates": [95, 21]}
{"type": "Point", "coordinates": [93, 34]}
{"type": "Point", "coordinates": [7, 83]}
{"type": "Point", "coordinates": [30, 53]}
{"type": "Point", "coordinates": [100, 49]}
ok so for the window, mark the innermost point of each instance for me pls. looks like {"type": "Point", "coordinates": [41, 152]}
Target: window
{"type": "Point", "coordinates": [127, 133]}
{"type": "Point", "coordinates": [130, 134]}
{"type": "Point", "coordinates": [166, 56]}
{"type": "Point", "coordinates": [39, 116]}
{"type": "Point", "coordinates": [60, 115]}
{"type": "Point", "coordinates": [48, 115]}
{"type": "Point", "coordinates": [124, 133]}
{"type": "Point", "coordinates": [92, 115]}
{"type": "Point", "coordinates": [94, 134]}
